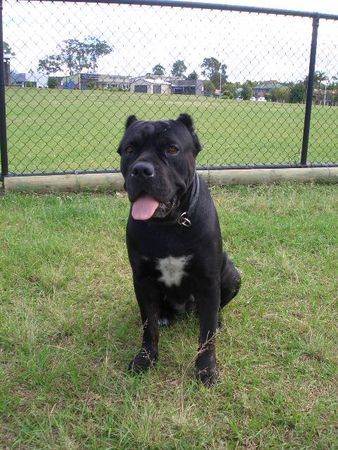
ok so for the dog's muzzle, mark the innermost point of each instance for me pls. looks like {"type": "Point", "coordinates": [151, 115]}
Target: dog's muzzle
{"type": "Point", "coordinates": [143, 170]}
{"type": "Point", "coordinates": [147, 200]}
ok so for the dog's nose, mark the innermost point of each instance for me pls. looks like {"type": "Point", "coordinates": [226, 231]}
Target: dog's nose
{"type": "Point", "coordinates": [143, 169]}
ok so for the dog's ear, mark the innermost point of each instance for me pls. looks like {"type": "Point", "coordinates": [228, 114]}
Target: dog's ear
{"type": "Point", "coordinates": [188, 122]}
{"type": "Point", "coordinates": [130, 120]}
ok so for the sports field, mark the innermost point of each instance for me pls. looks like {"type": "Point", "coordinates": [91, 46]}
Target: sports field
{"type": "Point", "coordinates": [67, 130]}
{"type": "Point", "coordinates": [70, 324]}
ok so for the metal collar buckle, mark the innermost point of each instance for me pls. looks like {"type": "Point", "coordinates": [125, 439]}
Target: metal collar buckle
{"type": "Point", "coordinates": [184, 220]}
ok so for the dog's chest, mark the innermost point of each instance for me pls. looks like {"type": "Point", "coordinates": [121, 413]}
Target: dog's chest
{"type": "Point", "coordinates": [172, 269]}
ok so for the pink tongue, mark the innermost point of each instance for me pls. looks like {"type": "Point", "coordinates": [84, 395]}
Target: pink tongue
{"type": "Point", "coordinates": [144, 208]}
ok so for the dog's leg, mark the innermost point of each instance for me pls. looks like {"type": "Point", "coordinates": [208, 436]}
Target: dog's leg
{"type": "Point", "coordinates": [148, 299]}
{"type": "Point", "coordinates": [230, 280]}
{"type": "Point", "coordinates": [167, 313]}
{"type": "Point", "coordinates": [208, 302]}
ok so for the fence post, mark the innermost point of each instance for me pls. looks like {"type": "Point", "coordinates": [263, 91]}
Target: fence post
{"type": "Point", "coordinates": [309, 91]}
{"type": "Point", "coordinates": [3, 130]}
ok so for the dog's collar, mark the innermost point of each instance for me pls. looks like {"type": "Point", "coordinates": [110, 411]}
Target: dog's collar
{"type": "Point", "coordinates": [185, 218]}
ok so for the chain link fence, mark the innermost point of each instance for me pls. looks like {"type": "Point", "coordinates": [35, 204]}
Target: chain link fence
{"type": "Point", "coordinates": [73, 72]}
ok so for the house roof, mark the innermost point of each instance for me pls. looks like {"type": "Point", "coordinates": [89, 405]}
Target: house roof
{"type": "Point", "coordinates": [115, 78]}
{"type": "Point", "coordinates": [268, 85]}
{"type": "Point", "coordinates": [182, 83]}
{"type": "Point", "coordinates": [152, 81]}
{"type": "Point", "coordinates": [18, 77]}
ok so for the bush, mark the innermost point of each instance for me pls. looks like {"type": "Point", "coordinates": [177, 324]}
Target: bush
{"type": "Point", "coordinates": [246, 92]}
{"type": "Point", "coordinates": [53, 82]}
{"type": "Point", "coordinates": [209, 87]}
{"type": "Point", "coordinates": [281, 95]}
{"type": "Point", "coordinates": [230, 90]}
{"type": "Point", "coordinates": [297, 93]}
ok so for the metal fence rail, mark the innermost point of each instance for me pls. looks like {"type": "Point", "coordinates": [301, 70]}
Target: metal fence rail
{"type": "Point", "coordinates": [261, 84]}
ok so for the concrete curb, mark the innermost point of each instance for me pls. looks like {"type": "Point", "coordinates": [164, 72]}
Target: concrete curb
{"type": "Point", "coordinates": [114, 181]}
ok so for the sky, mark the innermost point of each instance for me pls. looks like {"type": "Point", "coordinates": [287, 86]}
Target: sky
{"type": "Point", "coordinates": [252, 46]}
{"type": "Point", "coordinates": [323, 6]}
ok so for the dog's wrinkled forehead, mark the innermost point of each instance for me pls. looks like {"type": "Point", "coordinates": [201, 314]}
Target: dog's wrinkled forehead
{"type": "Point", "coordinates": [141, 132]}
{"type": "Point", "coordinates": [144, 129]}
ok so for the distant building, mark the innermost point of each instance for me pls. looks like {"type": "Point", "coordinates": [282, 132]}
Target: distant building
{"type": "Point", "coordinates": [71, 82]}
{"type": "Point", "coordinates": [187, 87]}
{"type": "Point", "coordinates": [264, 89]}
{"type": "Point", "coordinates": [119, 82]}
{"type": "Point", "coordinates": [150, 86]}
{"type": "Point", "coordinates": [80, 81]}
{"type": "Point", "coordinates": [143, 84]}
{"type": "Point", "coordinates": [36, 80]}
{"type": "Point", "coordinates": [17, 79]}
{"type": "Point", "coordinates": [96, 81]}
{"type": "Point", "coordinates": [326, 97]}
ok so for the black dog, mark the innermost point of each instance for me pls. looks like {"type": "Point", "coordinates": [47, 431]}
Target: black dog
{"type": "Point", "coordinates": [173, 237]}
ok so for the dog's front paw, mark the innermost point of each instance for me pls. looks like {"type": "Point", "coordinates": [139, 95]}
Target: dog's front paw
{"type": "Point", "coordinates": [206, 370]}
{"type": "Point", "coordinates": [208, 376]}
{"type": "Point", "coordinates": [143, 361]}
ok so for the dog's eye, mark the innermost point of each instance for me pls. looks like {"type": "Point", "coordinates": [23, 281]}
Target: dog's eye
{"type": "Point", "coordinates": [129, 150]}
{"type": "Point", "coordinates": [172, 150]}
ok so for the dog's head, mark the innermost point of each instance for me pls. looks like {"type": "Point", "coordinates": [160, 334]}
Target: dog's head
{"type": "Point", "coordinates": [158, 164]}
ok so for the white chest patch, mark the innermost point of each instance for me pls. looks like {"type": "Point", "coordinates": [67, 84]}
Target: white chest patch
{"type": "Point", "coordinates": [172, 269]}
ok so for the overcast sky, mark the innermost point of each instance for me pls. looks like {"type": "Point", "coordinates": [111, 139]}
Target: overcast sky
{"type": "Point", "coordinates": [323, 6]}
{"type": "Point", "coordinates": [256, 47]}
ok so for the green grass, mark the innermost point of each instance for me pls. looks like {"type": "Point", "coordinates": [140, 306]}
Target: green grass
{"type": "Point", "coordinates": [70, 324]}
{"type": "Point", "coordinates": [80, 130]}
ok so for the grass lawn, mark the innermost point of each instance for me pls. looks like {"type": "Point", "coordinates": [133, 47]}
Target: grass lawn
{"type": "Point", "coordinates": [65, 130]}
{"type": "Point", "coordinates": [70, 324]}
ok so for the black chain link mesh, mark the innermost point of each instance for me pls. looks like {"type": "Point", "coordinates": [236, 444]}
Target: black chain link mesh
{"type": "Point", "coordinates": [248, 105]}
{"type": "Point", "coordinates": [323, 144]}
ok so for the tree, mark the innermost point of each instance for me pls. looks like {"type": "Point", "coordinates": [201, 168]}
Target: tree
{"type": "Point", "coordinates": [281, 94]}
{"type": "Point", "coordinates": [158, 70]}
{"type": "Point", "coordinates": [246, 92]}
{"type": "Point", "coordinates": [214, 71]}
{"type": "Point", "coordinates": [333, 84]}
{"type": "Point", "coordinates": [209, 87]}
{"type": "Point", "coordinates": [193, 76]}
{"type": "Point", "coordinates": [297, 93]}
{"type": "Point", "coordinates": [53, 82]}
{"type": "Point", "coordinates": [178, 68]}
{"type": "Point", "coordinates": [94, 49]}
{"type": "Point", "coordinates": [74, 56]}
{"type": "Point", "coordinates": [319, 78]}
{"type": "Point", "coordinates": [50, 64]}
{"type": "Point", "coordinates": [230, 90]}
{"type": "Point", "coordinates": [7, 49]}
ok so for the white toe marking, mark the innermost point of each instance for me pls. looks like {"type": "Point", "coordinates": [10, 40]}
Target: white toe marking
{"type": "Point", "coordinates": [164, 322]}
{"type": "Point", "coordinates": [172, 269]}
